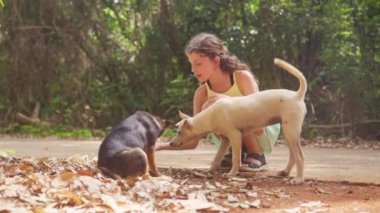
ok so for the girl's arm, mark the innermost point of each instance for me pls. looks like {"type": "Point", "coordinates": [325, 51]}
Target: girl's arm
{"type": "Point", "coordinates": [200, 97]}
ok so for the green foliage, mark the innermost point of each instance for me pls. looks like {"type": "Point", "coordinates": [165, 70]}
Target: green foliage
{"type": "Point", "coordinates": [43, 131]}
{"type": "Point", "coordinates": [91, 64]}
{"type": "Point", "coordinates": [178, 96]}
{"type": "Point", "coordinates": [169, 133]}
{"type": "Point", "coordinates": [7, 152]}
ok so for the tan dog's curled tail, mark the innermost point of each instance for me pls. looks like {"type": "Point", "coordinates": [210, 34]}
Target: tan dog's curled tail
{"type": "Point", "coordinates": [298, 74]}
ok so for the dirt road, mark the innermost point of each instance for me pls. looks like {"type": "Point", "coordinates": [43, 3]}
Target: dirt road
{"type": "Point", "coordinates": [352, 165]}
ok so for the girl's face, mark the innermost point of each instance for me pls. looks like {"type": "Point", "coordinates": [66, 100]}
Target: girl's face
{"type": "Point", "coordinates": [202, 66]}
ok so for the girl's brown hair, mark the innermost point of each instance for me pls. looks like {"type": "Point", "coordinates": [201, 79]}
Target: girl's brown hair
{"type": "Point", "coordinates": [211, 46]}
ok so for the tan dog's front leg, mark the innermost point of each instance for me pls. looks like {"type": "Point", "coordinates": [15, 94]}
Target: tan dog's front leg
{"type": "Point", "coordinates": [286, 172]}
{"type": "Point", "coordinates": [224, 145]}
{"type": "Point", "coordinates": [236, 144]}
{"type": "Point", "coordinates": [286, 129]}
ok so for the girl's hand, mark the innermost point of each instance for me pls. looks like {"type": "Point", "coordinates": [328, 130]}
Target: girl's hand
{"type": "Point", "coordinates": [212, 100]}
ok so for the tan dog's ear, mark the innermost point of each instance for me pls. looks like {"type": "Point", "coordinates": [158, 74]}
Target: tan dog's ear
{"type": "Point", "coordinates": [183, 115]}
{"type": "Point", "coordinates": [187, 124]}
{"type": "Point", "coordinates": [179, 123]}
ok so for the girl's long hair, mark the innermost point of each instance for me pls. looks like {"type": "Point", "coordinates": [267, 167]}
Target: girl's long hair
{"type": "Point", "coordinates": [211, 46]}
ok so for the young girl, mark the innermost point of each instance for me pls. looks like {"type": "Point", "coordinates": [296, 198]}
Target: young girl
{"type": "Point", "coordinates": [222, 74]}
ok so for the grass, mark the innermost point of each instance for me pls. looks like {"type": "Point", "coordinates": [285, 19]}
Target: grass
{"type": "Point", "coordinates": [45, 131]}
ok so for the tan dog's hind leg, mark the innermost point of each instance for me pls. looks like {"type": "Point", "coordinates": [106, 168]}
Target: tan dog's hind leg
{"type": "Point", "coordinates": [292, 133]}
{"type": "Point", "coordinates": [224, 145]}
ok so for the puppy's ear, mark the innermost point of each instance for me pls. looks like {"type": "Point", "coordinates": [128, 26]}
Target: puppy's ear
{"type": "Point", "coordinates": [183, 115]}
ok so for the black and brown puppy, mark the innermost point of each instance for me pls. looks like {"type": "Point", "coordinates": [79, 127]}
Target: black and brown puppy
{"type": "Point", "coordinates": [128, 151]}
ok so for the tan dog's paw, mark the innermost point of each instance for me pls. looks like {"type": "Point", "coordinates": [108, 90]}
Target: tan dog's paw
{"type": "Point", "coordinates": [283, 173]}
{"type": "Point", "coordinates": [226, 175]}
{"type": "Point", "coordinates": [230, 174]}
{"type": "Point", "coordinates": [297, 181]}
{"type": "Point", "coordinates": [212, 169]}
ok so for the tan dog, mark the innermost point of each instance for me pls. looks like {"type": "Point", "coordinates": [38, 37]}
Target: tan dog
{"type": "Point", "coordinates": [235, 116]}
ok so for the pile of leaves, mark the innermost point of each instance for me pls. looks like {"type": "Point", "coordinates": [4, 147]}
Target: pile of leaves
{"type": "Point", "coordinates": [75, 185]}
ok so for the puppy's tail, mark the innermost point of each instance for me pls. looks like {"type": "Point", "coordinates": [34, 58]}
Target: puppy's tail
{"type": "Point", "coordinates": [294, 71]}
{"type": "Point", "coordinates": [109, 173]}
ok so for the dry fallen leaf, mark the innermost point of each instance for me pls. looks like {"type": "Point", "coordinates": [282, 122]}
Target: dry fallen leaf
{"type": "Point", "coordinates": [69, 198]}
{"type": "Point", "coordinates": [66, 176]}
{"type": "Point", "coordinates": [251, 194]}
{"type": "Point", "coordinates": [209, 186]}
{"type": "Point", "coordinates": [232, 199]}
{"type": "Point", "coordinates": [26, 168]}
{"type": "Point", "coordinates": [255, 204]}
{"type": "Point", "coordinates": [238, 179]}
{"type": "Point", "coordinates": [75, 185]}
{"type": "Point", "coordinates": [277, 192]}
{"type": "Point", "coordinates": [198, 174]}
{"type": "Point", "coordinates": [320, 190]}
{"type": "Point", "coordinates": [312, 206]}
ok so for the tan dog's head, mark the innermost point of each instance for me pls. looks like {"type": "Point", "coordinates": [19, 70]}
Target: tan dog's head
{"type": "Point", "coordinates": [185, 131]}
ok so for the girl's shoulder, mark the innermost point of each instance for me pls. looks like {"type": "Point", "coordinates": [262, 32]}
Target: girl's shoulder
{"type": "Point", "coordinates": [244, 75]}
{"type": "Point", "coordinates": [201, 91]}
{"type": "Point", "coordinates": [246, 82]}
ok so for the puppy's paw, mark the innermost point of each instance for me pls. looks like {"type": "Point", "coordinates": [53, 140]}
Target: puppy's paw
{"type": "Point", "coordinates": [297, 181]}
{"type": "Point", "coordinates": [162, 178]}
{"type": "Point", "coordinates": [146, 177]}
{"type": "Point", "coordinates": [154, 174]}
{"type": "Point", "coordinates": [283, 173]}
{"type": "Point", "coordinates": [131, 181]}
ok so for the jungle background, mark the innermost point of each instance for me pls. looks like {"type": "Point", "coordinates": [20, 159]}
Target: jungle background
{"type": "Point", "coordinates": [77, 67]}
